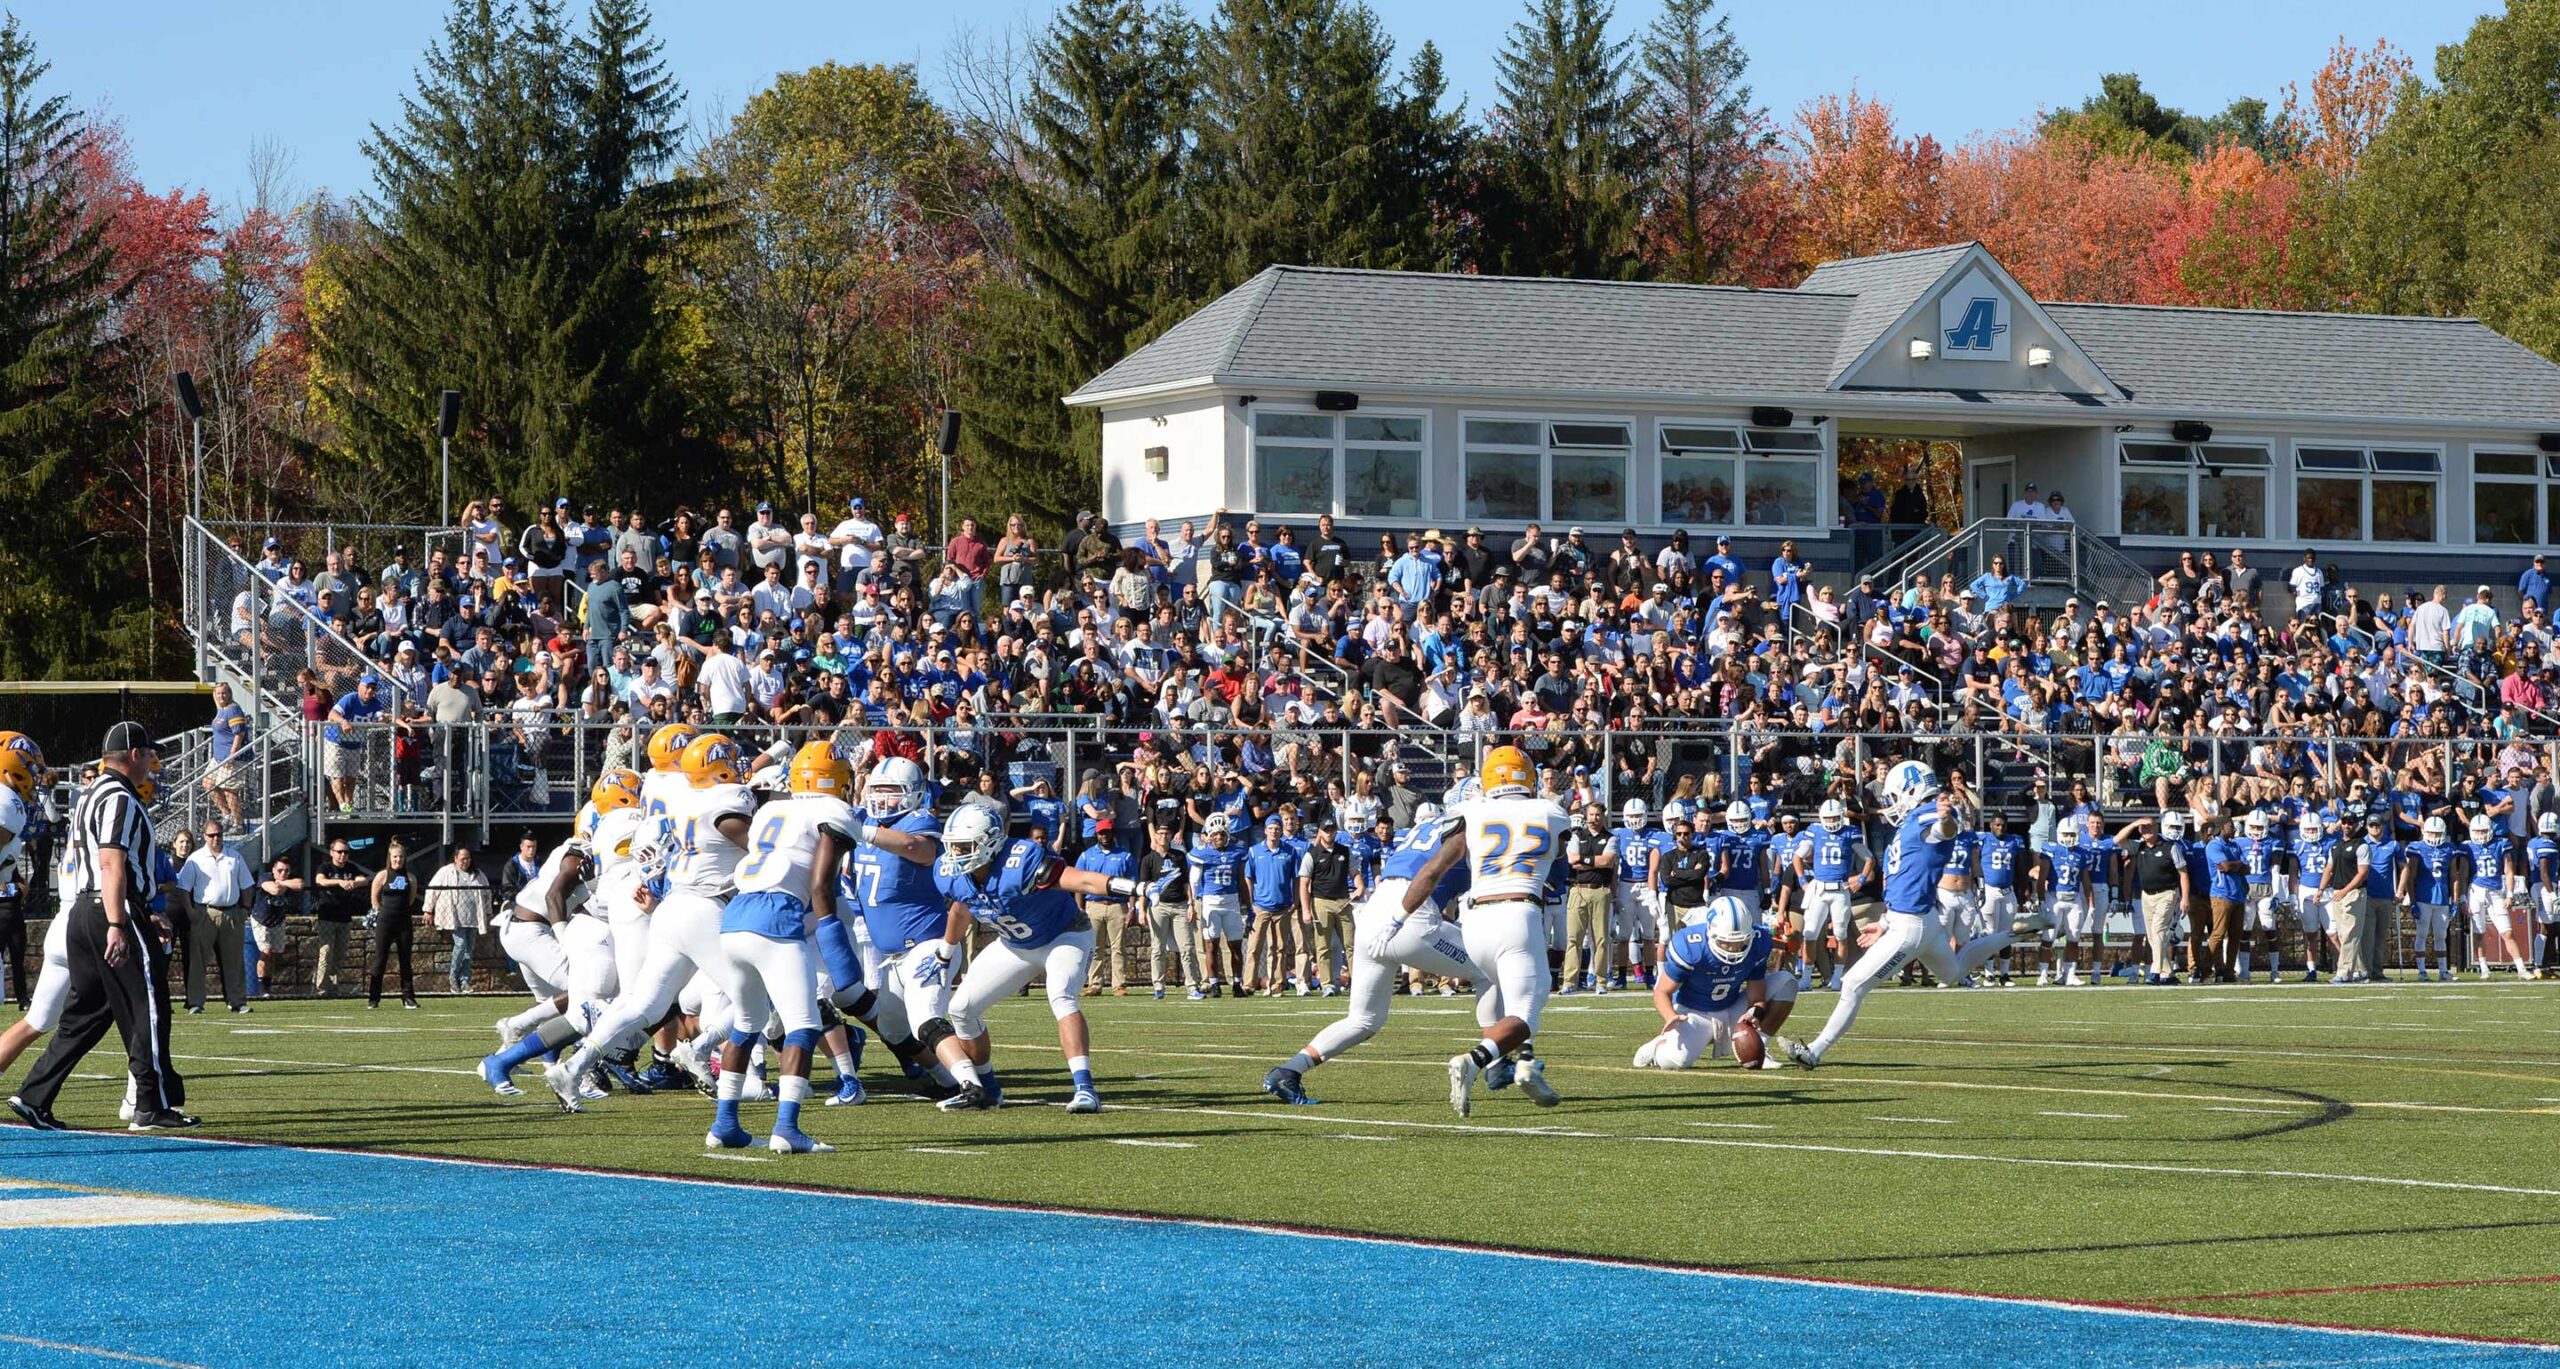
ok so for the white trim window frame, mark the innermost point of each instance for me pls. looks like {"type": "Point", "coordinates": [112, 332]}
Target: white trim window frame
{"type": "Point", "coordinates": [1341, 463]}
{"type": "Point", "coordinates": [2500, 478]}
{"type": "Point", "coordinates": [1535, 463]}
{"type": "Point", "coordinates": [2183, 485]}
{"type": "Point", "coordinates": [2322, 470]}
{"type": "Point", "coordinates": [1724, 473]}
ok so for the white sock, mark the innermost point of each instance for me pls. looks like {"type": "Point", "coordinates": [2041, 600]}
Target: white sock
{"type": "Point", "coordinates": [942, 1075]}
{"type": "Point", "coordinates": [1079, 1064]}
{"type": "Point", "coordinates": [844, 1064]}
{"type": "Point", "coordinates": [732, 1083]}
{"type": "Point", "coordinates": [792, 1088]}
{"type": "Point", "coordinates": [965, 1072]}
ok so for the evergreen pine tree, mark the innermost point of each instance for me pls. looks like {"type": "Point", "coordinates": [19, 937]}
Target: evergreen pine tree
{"type": "Point", "coordinates": [1565, 159]}
{"type": "Point", "coordinates": [1697, 115]}
{"type": "Point", "coordinates": [67, 607]}
{"type": "Point", "coordinates": [1094, 208]}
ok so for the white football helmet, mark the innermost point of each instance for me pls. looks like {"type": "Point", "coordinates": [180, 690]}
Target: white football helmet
{"type": "Point", "coordinates": [1675, 812]}
{"type": "Point", "coordinates": [1426, 815]}
{"type": "Point", "coordinates": [2548, 824]}
{"type": "Point", "coordinates": [2254, 825]}
{"type": "Point", "coordinates": [1834, 815]}
{"type": "Point", "coordinates": [1906, 786]}
{"type": "Point", "coordinates": [2433, 830]}
{"type": "Point", "coordinates": [1634, 815]}
{"type": "Point", "coordinates": [1737, 815]}
{"type": "Point", "coordinates": [1730, 927]}
{"type": "Point", "coordinates": [2480, 827]}
{"type": "Point", "coordinates": [1466, 790]}
{"type": "Point", "coordinates": [894, 788]}
{"type": "Point", "coordinates": [2173, 825]}
{"type": "Point", "coordinates": [2311, 827]}
{"type": "Point", "coordinates": [1215, 828]}
{"type": "Point", "coordinates": [971, 839]}
{"type": "Point", "coordinates": [2068, 834]}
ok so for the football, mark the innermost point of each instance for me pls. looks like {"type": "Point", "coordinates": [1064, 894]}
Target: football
{"type": "Point", "coordinates": [1749, 1049]}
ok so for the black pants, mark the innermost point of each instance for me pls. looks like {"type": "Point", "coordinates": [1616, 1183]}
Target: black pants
{"type": "Point", "coordinates": [391, 933]}
{"type": "Point", "coordinates": [133, 997]}
{"type": "Point", "coordinates": [13, 950]}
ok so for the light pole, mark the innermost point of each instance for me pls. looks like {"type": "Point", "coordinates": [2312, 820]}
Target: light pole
{"type": "Point", "coordinates": [193, 404]}
{"type": "Point", "coordinates": [946, 445]}
{"type": "Point", "coordinates": [448, 416]}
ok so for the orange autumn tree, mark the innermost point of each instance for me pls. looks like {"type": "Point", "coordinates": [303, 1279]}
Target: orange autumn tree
{"type": "Point", "coordinates": [2071, 219]}
{"type": "Point", "coordinates": [1860, 187]}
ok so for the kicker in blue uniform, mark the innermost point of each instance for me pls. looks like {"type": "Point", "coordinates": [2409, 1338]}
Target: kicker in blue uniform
{"type": "Point", "coordinates": [1715, 979]}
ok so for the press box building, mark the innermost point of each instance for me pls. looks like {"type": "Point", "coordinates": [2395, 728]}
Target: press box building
{"type": "Point", "coordinates": [2399, 447]}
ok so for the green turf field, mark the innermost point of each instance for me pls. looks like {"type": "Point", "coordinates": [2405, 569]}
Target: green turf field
{"type": "Point", "coordinates": [2274, 1152]}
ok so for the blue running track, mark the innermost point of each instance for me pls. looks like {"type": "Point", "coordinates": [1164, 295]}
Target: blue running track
{"type": "Point", "coordinates": [238, 1255]}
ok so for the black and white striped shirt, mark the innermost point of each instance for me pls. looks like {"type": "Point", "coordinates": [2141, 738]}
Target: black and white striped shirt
{"type": "Point", "coordinates": [110, 813]}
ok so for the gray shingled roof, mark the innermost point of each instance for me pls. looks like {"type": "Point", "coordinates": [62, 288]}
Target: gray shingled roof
{"type": "Point", "coordinates": [1413, 331]}
{"type": "Point", "coordinates": [1886, 287]}
{"type": "Point", "coordinates": [2248, 360]}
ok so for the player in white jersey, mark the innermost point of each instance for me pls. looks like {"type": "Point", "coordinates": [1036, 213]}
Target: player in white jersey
{"type": "Point", "coordinates": [529, 931]}
{"type": "Point", "coordinates": [615, 830]}
{"type": "Point", "coordinates": [1510, 839]}
{"type": "Point", "coordinates": [1385, 939]}
{"type": "Point", "coordinates": [766, 929]}
{"type": "Point", "coordinates": [664, 781]}
{"type": "Point", "coordinates": [53, 978]}
{"type": "Point", "coordinates": [702, 835]}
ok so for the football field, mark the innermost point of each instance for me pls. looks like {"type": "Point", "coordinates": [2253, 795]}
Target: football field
{"type": "Point", "coordinates": [2144, 1175]}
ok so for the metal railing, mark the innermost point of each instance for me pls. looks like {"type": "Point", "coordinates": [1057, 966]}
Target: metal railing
{"type": "Point", "coordinates": [2043, 553]}
{"type": "Point", "coordinates": [259, 631]}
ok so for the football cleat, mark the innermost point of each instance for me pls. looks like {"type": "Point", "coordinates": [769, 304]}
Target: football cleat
{"type": "Point", "coordinates": [623, 1077]}
{"type": "Point", "coordinates": [755, 1089]}
{"type": "Point", "coordinates": [849, 1093]}
{"type": "Point", "coordinates": [970, 1098]}
{"type": "Point", "coordinates": [1086, 1100]}
{"type": "Point", "coordinates": [1463, 1073]}
{"type": "Point", "coordinates": [735, 1138]}
{"type": "Point", "coordinates": [587, 1087]}
{"type": "Point", "coordinates": [661, 1075]}
{"type": "Point", "coordinates": [690, 1061]}
{"type": "Point", "coordinates": [42, 1119]}
{"type": "Point", "coordinates": [563, 1085]}
{"type": "Point", "coordinates": [797, 1142]}
{"type": "Point", "coordinates": [1286, 1085]}
{"type": "Point", "coordinates": [495, 1076]}
{"type": "Point", "coordinates": [1533, 1082]}
{"type": "Point", "coordinates": [1799, 1052]}
{"type": "Point", "coordinates": [1498, 1075]}
{"type": "Point", "coordinates": [507, 1033]}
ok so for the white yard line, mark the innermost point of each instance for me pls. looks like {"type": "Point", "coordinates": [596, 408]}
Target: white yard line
{"type": "Point", "coordinates": [2088, 1116]}
{"type": "Point", "coordinates": [1918, 1121]}
{"type": "Point", "coordinates": [1155, 1145]}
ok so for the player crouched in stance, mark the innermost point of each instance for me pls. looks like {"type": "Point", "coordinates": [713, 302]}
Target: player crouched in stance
{"type": "Point", "coordinates": [1386, 939]}
{"type": "Point", "coordinates": [1510, 839]}
{"type": "Point", "coordinates": [1021, 890]}
{"type": "Point", "coordinates": [786, 883]}
{"type": "Point", "coordinates": [1926, 824]}
{"type": "Point", "coordinates": [1716, 993]}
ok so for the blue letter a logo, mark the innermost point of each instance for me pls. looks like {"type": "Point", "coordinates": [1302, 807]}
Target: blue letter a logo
{"type": "Point", "coordinates": [1974, 332]}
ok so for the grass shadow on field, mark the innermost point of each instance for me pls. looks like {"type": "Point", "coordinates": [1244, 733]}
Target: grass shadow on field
{"type": "Point", "coordinates": [2167, 1243]}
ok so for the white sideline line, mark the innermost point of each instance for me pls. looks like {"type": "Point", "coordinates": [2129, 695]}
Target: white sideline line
{"type": "Point", "coordinates": [1357, 1136]}
{"type": "Point", "coordinates": [2271, 1112]}
{"type": "Point", "coordinates": [1735, 1126]}
{"type": "Point", "coordinates": [944, 1150]}
{"type": "Point", "coordinates": [1419, 1243]}
{"type": "Point", "coordinates": [1924, 1121]}
{"type": "Point", "coordinates": [1154, 1145]}
{"type": "Point", "coordinates": [1956, 1157]}
{"type": "Point", "coordinates": [329, 1065]}
{"type": "Point", "coordinates": [2087, 1116]}
{"type": "Point", "coordinates": [99, 1352]}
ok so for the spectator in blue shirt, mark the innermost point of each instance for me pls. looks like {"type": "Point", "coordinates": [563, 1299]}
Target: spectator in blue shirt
{"type": "Point", "coordinates": [2534, 587]}
{"type": "Point", "coordinates": [1786, 580]}
{"type": "Point", "coordinates": [345, 736]}
{"type": "Point", "coordinates": [1997, 586]}
{"type": "Point", "coordinates": [224, 747]}
{"type": "Point", "coordinates": [1415, 575]}
{"type": "Point", "coordinates": [1723, 560]}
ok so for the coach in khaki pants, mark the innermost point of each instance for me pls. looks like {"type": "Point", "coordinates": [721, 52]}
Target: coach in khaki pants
{"type": "Point", "coordinates": [1591, 862]}
{"type": "Point", "coordinates": [218, 883]}
{"type": "Point", "coordinates": [2160, 879]}
{"type": "Point", "coordinates": [1109, 916]}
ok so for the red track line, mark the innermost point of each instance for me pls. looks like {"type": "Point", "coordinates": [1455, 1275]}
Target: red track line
{"type": "Point", "coordinates": [2362, 1288]}
{"type": "Point", "coordinates": [2154, 1308]}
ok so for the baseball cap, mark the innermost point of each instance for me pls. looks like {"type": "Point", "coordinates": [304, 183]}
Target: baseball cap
{"type": "Point", "coordinates": [2031, 484]}
{"type": "Point", "coordinates": [1574, 531]}
{"type": "Point", "coordinates": [1475, 532]}
{"type": "Point", "coordinates": [1106, 825]}
{"type": "Point", "coordinates": [560, 503]}
{"type": "Point", "coordinates": [1724, 539]}
{"type": "Point", "coordinates": [274, 545]}
{"type": "Point", "coordinates": [126, 736]}
{"type": "Point", "coordinates": [764, 508]}
{"type": "Point", "coordinates": [856, 503]}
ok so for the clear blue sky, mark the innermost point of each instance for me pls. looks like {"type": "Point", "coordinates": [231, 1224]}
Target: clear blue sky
{"type": "Point", "coordinates": [198, 84]}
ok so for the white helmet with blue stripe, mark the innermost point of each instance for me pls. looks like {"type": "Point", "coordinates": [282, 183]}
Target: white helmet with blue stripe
{"type": "Point", "coordinates": [972, 837]}
{"type": "Point", "coordinates": [1730, 927]}
{"type": "Point", "coordinates": [1906, 786]}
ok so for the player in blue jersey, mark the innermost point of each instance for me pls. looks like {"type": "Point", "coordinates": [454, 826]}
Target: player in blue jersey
{"type": "Point", "coordinates": [1020, 890]}
{"type": "Point", "coordinates": [1741, 858]}
{"type": "Point", "coordinates": [1217, 901]}
{"type": "Point", "coordinates": [1833, 867]}
{"type": "Point", "coordinates": [2007, 873]}
{"type": "Point", "coordinates": [1637, 913]}
{"type": "Point", "coordinates": [2069, 909]}
{"type": "Point", "coordinates": [879, 947]}
{"type": "Point", "coordinates": [1959, 905]}
{"type": "Point", "coordinates": [2427, 888]}
{"type": "Point", "coordinates": [1926, 822]}
{"type": "Point", "coordinates": [2104, 855]}
{"type": "Point", "coordinates": [2266, 892]}
{"type": "Point", "coordinates": [1716, 974]}
{"type": "Point", "coordinates": [2542, 875]}
{"type": "Point", "coordinates": [2489, 865]}
{"type": "Point", "coordinates": [1385, 940]}
{"type": "Point", "coordinates": [2318, 848]}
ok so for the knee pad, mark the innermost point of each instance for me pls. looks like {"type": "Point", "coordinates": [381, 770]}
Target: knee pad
{"type": "Point", "coordinates": [1062, 1004]}
{"type": "Point", "coordinates": [931, 1033]}
{"type": "Point", "coordinates": [806, 1038]}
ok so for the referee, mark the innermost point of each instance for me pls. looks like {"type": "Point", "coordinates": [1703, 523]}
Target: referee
{"type": "Point", "coordinates": [119, 965]}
